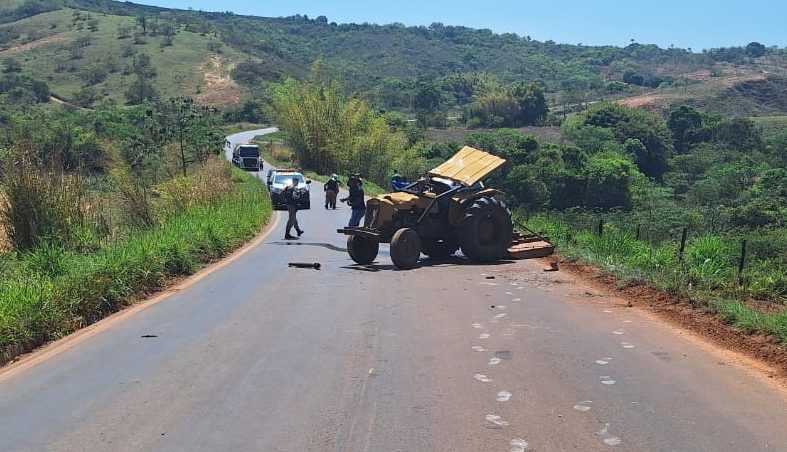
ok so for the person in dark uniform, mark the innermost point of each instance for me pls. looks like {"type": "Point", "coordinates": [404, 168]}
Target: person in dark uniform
{"type": "Point", "coordinates": [292, 209]}
{"type": "Point", "coordinates": [355, 200]}
{"type": "Point", "coordinates": [331, 190]}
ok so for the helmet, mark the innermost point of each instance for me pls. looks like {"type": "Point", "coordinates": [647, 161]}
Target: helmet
{"type": "Point", "coordinates": [335, 176]}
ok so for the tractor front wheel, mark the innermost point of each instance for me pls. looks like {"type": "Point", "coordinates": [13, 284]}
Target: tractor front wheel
{"type": "Point", "coordinates": [405, 248]}
{"type": "Point", "coordinates": [362, 250]}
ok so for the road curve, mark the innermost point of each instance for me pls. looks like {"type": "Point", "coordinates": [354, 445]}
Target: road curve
{"type": "Point", "coordinates": [255, 355]}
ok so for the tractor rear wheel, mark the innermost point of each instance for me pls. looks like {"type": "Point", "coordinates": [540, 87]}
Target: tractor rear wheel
{"type": "Point", "coordinates": [485, 230]}
{"type": "Point", "coordinates": [405, 248]}
{"type": "Point", "coordinates": [362, 250]}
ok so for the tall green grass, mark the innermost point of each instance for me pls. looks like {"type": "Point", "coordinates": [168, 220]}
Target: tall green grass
{"type": "Point", "coordinates": [49, 292]}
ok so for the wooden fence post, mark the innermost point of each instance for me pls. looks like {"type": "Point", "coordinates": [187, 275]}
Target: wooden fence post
{"type": "Point", "coordinates": [682, 244]}
{"type": "Point", "coordinates": [741, 263]}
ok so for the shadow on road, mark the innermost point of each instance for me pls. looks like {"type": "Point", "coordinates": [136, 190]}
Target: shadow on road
{"type": "Point", "coordinates": [451, 261]}
{"type": "Point", "coordinates": [299, 243]}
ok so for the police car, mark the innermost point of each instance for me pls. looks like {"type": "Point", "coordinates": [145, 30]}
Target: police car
{"type": "Point", "coordinates": [280, 178]}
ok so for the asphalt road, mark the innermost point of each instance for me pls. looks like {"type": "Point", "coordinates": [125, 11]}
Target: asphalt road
{"type": "Point", "coordinates": [254, 355]}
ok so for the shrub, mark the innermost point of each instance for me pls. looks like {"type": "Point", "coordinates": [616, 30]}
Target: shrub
{"type": "Point", "coordinates": [40, 207]}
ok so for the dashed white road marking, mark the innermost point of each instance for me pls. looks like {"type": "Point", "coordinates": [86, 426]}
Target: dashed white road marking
{"type": "Point", "coordinates": [482, 378]}
{"type": "Point", "coordinates": [517, 445]}
{"type": "Point", "coordinates": [619, 331]}
{"type": "Point", "coordinates": [494, 361]}
{"type": "Point", "coordinates": [503, 396]}
{"type": "Point", "coordinates": [497, 420]}
{"type": "Point", "coordinates": [626, 345]}
{"type": "Point", "coordinates": [583, 405]}
{"type": "Point", "coordinates": [477, 326]}
{"type": "Point", "coordinates": [603, 361]}
{"type": "Point", "coordinates": [608, 438]}
{"type": "Point", "coordinates": [478, 348]}
{"type": "Point", "coordinates": [484, 336]}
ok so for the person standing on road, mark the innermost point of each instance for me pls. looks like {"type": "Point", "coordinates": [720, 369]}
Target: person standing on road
{"type": "Point", "coordinates": [355, 200]}
{"type": "Point", "coordinates": [331, 190]}
{"type": "Point", "coordinates": [290, 198]}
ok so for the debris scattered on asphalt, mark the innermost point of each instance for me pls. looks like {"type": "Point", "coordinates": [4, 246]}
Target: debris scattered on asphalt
{"type": "Point", "coordinates": [314, 265]}
{"type": "Point", "coordinates": [553, 267]}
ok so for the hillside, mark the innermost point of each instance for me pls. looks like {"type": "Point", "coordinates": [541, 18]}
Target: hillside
{"type": "Point", "coordinates": [89, 51]}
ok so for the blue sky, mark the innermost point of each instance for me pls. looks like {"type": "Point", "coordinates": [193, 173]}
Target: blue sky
{"type": "Point", "coordinates": [687, 24]}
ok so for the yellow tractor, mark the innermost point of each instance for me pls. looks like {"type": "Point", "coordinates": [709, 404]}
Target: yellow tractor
{"type": "Point", "coordinates": [447, 210]}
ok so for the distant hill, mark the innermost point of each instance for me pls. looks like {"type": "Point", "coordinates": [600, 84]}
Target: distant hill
{"type": "Point", "coordinates": [88, 52]}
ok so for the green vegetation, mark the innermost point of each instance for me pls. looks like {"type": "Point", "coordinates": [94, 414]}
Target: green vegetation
{"type": "Point", "coordinates": [720, 273]}
{"type": "Point", "coordinates": [52, 290]}
{"type": "Point", "coordinates": [97, 208]}
{"type": "Point", "coordinates": [112, 115]}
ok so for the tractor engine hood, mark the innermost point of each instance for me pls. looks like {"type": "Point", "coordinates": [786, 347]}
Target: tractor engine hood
{"type": "Point", "coordinates": [468, 166]}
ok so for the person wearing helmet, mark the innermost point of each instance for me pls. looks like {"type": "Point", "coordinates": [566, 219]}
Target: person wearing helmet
{"type": "Point", "coordinates": [331, 188]}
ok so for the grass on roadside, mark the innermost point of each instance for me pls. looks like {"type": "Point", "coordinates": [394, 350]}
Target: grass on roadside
{"type": "Point", "coordinates": [50, 292]}
{"type": "Point", "coordinates": [707, 270]}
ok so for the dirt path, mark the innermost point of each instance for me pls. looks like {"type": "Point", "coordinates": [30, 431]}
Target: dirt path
{"type": "Point", "coordinates": [32, 45]}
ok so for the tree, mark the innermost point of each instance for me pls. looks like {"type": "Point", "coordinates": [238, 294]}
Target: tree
{"type": "Point", "coordinates": [427, 101]}
{"type": "Point", "coordinates": [740, 134]}
{"type": "Point", "coordinates": [11, 65]}
{"type": "Point", "coordinates": [755, 49]}
{"type": "Point", "coordinates": [169, 30]}
{"type": "Point", "coordinates": [330, 132]}
{"type": "Point", "coordinates": [512, 105]}
{"type": "Point", "coordinates": [142, 88]}
{"type": "Point", "coordinates": [193, 128]}
{"type": "Point", "coordinates": [626, 123]}
{"type": "Point", "coordinates": [684, 122]}
{"type": "Point", "coordinates": [143, 22]}
{"type": "Point", "coordinates": [609, 181]}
